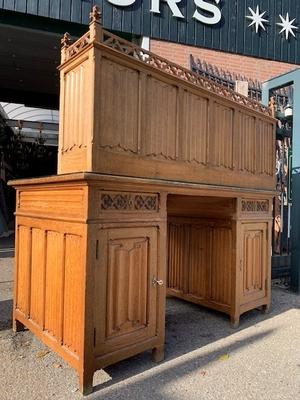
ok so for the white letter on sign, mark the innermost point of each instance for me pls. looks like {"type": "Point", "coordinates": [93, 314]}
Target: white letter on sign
{"type": "Point", "coordinates": [122, 3]}
{"type": "Point", "coordinates": [171, 3]}
{"type": "Point", "coordinates": [215, 19]}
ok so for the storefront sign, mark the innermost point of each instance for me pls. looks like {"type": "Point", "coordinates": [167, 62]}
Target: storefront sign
{"type": "Point", "coordinates": [200, 6]}
{"type": "Point", "coordinates": [263, 29]}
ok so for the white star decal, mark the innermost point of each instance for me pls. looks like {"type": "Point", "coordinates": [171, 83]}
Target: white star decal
{"type": "Point", "coordinates": [257, 19]}
{"type": "Point", "coordinates": [287, 25]}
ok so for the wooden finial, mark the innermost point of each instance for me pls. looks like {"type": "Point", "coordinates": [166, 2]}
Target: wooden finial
{"type": "Point", "coordinates": [95, 15]}
{"type": "Point", "coordinates": [96, 30]}
{"type": "Point", "coordinates": [272, 105]}
{"type": "Point", "coordinates": [66, 40]}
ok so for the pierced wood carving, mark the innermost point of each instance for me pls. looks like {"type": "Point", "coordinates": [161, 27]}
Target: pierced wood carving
{"type": "Point", "coordinates": [78, 46]}
{"type": "Point", "coordinates": [113, 201]}
{"type": "Point", "coordinates": [162, 64]}
{"type": "Point", "coordinates": [146, 57]}
{"type": "Point", "coordinates": [260, 206]}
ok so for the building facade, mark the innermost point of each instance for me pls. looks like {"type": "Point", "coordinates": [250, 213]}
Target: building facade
{"type": "Point", "coordinates": [257, 69]}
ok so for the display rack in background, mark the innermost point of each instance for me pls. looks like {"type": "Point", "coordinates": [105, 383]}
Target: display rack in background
{"type": "Point", "coordinates": [283, 201]}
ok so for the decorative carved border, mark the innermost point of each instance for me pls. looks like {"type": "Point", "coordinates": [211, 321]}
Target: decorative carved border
{"type": "Point", "coordinates": [98, 34]}
{"type": "Point", "coordinates": [78, 46]}
{"type": "Point", "coordinates": [126, 201]}
{"type": "Point", "coordinates": [164, 65]}
{"type": "Point", "coordinates": [255, 206]}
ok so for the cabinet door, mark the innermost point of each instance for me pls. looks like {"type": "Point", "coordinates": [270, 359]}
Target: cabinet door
{"type": "Point", "coordinates": [125, 297]}
{"type": "Point", "coordinates": [254, 261]}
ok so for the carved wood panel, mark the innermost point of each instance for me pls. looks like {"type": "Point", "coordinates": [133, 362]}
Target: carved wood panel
{"type": "Point", "coordinates": [178, 253]}
{"type": "Point", "coordinates": [76, 99]}
{"type": "Point", "coordinates": [159, 131]}
{"type": "Point", "coordinates": [129, 202]}
{"type": "Point", "coordinates": [117, 131]}
{"type": "Point", "coordinates": [254, 261]}
{"type": "Point", "coordinates": [194, 129]}
{"type": "Point", "coordinates": [245, 142]}
{"type": "Point", "coordinates": [38, 275]}
{"type": "Point", "coordinates": [129, 261]}
{"type": "Point", "coordinates": [49, 282]}
{"type": "Point", "coordinates": [265, 160]}
{"type": "Point", "coordinates": [142, 123]}
{"type": "Point", "coordinates": [127, 286]}
{"type": "Point", "coordinates": [23, 269]}
{"type": "Point", "coordinates": [221, 265]}
{"type": "Point", "coordinates": [254, 206]}
{"type": "Point", "coordinates": [221, 136]}
{"type": "Point", "coordinates": [200, 260]}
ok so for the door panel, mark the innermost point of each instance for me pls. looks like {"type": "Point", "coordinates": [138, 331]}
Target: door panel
{"type": "Point", "coordinates": [199, 261]}
{"type": "Point", "coordinates": [254, 261]}
{"type": "Point", "coordinates": [221, 265]}
{"type": "Point", "coordinates": [129, 299]}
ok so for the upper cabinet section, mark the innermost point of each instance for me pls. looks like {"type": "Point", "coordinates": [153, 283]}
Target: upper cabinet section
{"type": "Point", "coordinates": [126, 111]}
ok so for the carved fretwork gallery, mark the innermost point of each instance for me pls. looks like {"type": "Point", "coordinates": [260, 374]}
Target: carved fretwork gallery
{"type": "Point", "coordinates": [165, 184]}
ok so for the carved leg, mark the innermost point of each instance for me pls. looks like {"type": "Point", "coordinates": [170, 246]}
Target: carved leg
{"type": "Point", "coordinates": [18, 326]}
{"type": "Point", "coordinates": [86, 382]}
{"type": "Point", "coordinates": [266, 309]}
{"type": "Point", "coordinates": [158, 354]}
{"type": "Point", "coordinates": [235, 321]}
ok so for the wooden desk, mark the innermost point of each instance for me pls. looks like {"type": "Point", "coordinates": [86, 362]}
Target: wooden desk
{"type": "Point", "coordinates": [177, 198]}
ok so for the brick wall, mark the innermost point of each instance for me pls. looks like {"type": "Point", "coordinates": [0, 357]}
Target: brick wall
{"type": "Point", "coordinates": [250, 67]}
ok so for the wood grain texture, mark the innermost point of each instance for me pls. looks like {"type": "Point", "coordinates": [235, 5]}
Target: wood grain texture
{"type": "Point", "coordinates": [85, 286]}
{"type": "Point", "coordinates": [127, 286]}
{"type": "Point", "coordinates": [24, 270]}
{"type": "Point", "coordinates": [199, 260]}
{"type": "Point", "coordinates": [194, 127]}
{"type": "Point", "coordinates": [38, 275]}
{"type": "Point", "coordinates": [64, 201]}
{"type": "Point", "coordinates": [148, 124]}
{"type": "Point", "coordinates": [49, 286]}
{"type": "Point", "coordinates": [76, 96]}
{"type": "Point", "coordinates": [120, 126]}
{"type": "Point", "coordinates": [255, 262]}
{"type": "Point", "coordinates": [73, 290]}
{"type": "Point", "coordinates": [54, 284]}
{"type": "Point", "coordinates": [129, 263]}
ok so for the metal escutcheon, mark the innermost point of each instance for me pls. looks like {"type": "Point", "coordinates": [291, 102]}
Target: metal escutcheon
{"type": "Point", "coordinates": [157, 282]}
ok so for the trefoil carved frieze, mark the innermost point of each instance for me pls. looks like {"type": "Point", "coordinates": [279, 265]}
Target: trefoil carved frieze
{"type": "Point", "coordinates": [125, 201]}
{"type": "Point", "coordinates": [258, 206]}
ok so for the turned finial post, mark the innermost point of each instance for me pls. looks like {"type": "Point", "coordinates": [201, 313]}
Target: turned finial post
{"type": "Point", "coordinates": [65, 43]}
{"type": "Point", "coordinates": [272, 106]}
{"type": "Point", "coordinates": [96, 24]}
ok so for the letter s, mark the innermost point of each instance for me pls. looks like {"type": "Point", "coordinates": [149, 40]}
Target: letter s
{"type": "Point", "coordinates": [121, 3]}
{"type": "Point", "coordinates": [215, 19]}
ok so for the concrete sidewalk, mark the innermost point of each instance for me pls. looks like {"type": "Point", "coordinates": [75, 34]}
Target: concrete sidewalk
{"type": "Point", "coordinates": [205, 358]}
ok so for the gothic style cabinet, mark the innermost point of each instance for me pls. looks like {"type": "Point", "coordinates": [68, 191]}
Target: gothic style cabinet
{"type": "Point", "coordinates": [92, 242]}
